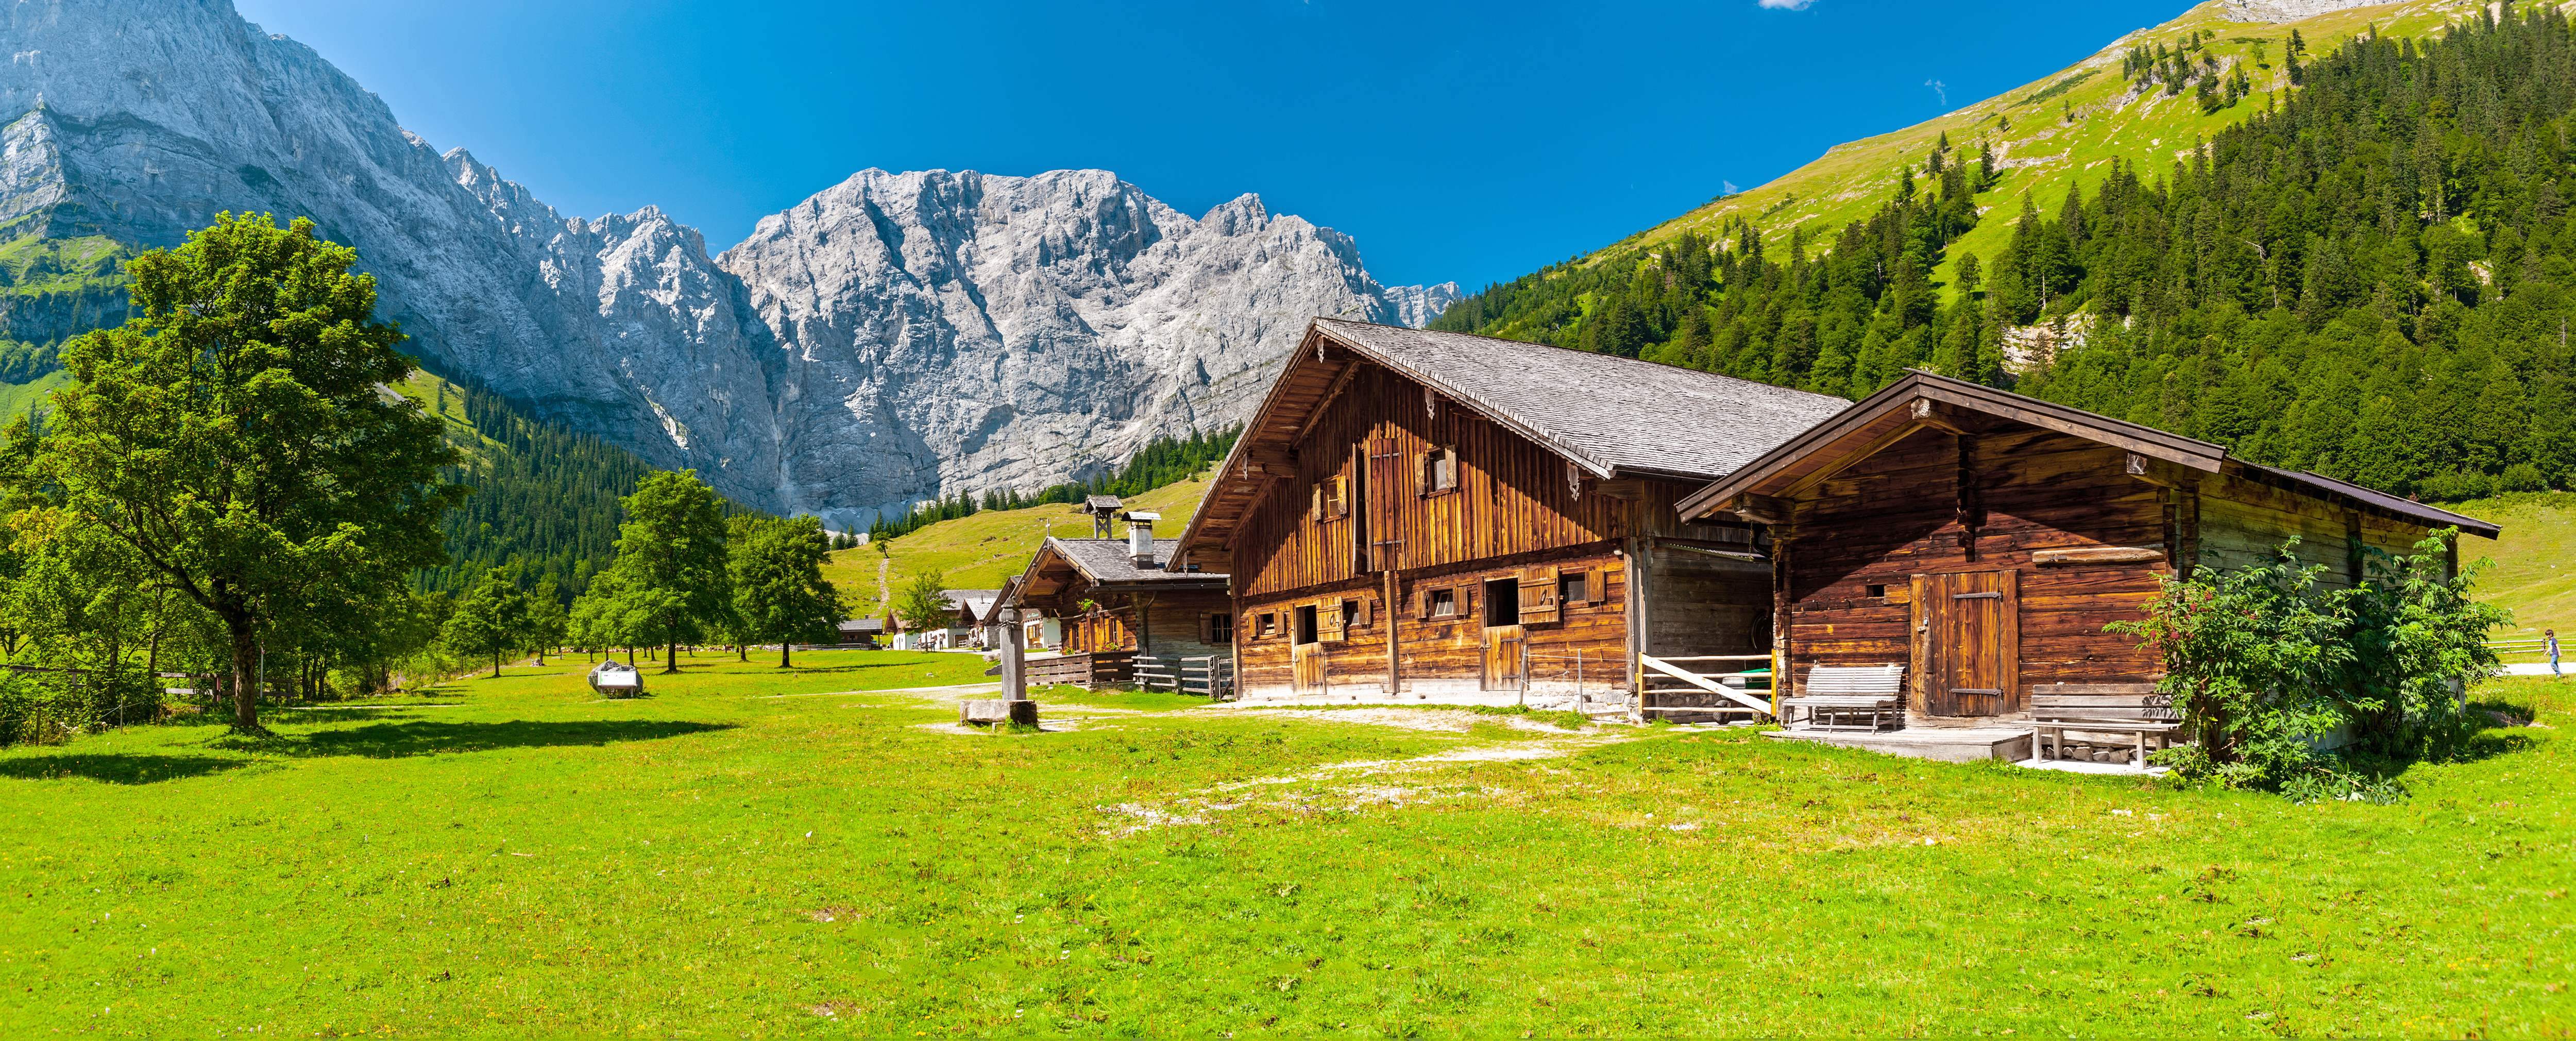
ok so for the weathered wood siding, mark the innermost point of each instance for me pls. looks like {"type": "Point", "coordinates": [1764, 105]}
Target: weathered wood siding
{"type": "Point", "coordinates": [1902, 513]}
{"type": "Point", "coordinates": [1898, 514]}
{"type": "Point", "coordinates": [1512, 512]}
{"type": "Point", "coordinates": [1513, 496]}
{"type": "Point", "coordinates": [1584, 647]}
{"type": "Point", "coordinates": [2244, 523]}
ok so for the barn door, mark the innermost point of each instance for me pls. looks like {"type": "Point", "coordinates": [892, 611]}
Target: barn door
{"type": "Point", "coordinates": [1973, 638]}
{"type": "Point", "coordinates": [1306, 648]}
{"type": "Point", "coordinates": [1503, 634]}
{"type": "Point", "coordinates": [1385, 483]}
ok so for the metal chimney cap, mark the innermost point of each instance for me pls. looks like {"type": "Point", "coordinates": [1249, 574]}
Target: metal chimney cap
{"type": "Point", "coordinates": [1143, 515]}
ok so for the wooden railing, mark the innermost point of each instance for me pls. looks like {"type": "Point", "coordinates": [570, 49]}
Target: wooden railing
{"type": "Point", "coordinates": [1668, 676]}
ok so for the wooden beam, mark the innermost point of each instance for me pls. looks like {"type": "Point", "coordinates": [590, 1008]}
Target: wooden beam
{"type": "Point", "coordinates": [1878, 444]}
{"type": "Point", "coordinates": [1316, 414]}
{"type": "Point", "coordinates": [1761, 508]}
{"type": "Point", "coordinates": [2098, 555]}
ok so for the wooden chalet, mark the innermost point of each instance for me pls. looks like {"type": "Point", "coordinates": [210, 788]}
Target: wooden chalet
{"type": "Point", "coordinates": [1981, 540]}
{"type": "Point", "coordinates": [1116, 601]}
{"type": "Point", "coordinates": [1434, 515]}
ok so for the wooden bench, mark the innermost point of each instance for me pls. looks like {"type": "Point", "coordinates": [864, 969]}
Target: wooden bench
{"type": "Point", "coordinates": [2134, 709]}
{"type": "Point", "coordinates": [1841, 692]}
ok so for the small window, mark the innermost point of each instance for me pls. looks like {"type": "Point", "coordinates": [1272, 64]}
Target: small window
{"type": "Point", "coordinates": [1265, 626]}
{"type": "Point", "coordinates": [1306, 632]}
{"type": "Point", "coordinates": [1572, 589]}
{"type": "Point", "coordinates": [1220, 628]}
{"type": "Point", "coordinates": [1444, 603]}
{"type": "Point", "coordinates": [1878, 590]}
{"type": "Point", "coordinates": [1440, 470]}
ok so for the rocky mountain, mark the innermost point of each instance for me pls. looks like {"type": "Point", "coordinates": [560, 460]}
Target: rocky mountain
{"type": "Point", "coordinates": [894, 337]}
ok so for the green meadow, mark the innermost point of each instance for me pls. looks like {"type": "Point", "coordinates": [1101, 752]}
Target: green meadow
{"type": "Point", "coordinates": [756, 852]}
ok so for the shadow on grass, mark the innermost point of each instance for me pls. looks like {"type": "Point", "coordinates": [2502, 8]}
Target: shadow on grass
{"type": "Point", "coordinates": [116, 768]}
{"type": "Point", "coordinates": [431, 737]}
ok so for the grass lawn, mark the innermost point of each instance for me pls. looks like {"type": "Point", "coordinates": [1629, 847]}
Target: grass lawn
{"type": "Point", "coordinates": [751, 852]}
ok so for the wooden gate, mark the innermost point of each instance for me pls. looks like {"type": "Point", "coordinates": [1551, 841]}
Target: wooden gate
{"type": "Point", "coordinates": [1968, 642]}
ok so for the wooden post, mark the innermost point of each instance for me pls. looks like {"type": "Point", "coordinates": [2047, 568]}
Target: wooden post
{"type": "Point", "coordinates": [1641, 564]}
{"type": "Point", "coordinates": [1780, 672]}
{"type": "Point", "coordinates": [1015, 680]}
{"type": "Point", "coordinates": [1394, 629]}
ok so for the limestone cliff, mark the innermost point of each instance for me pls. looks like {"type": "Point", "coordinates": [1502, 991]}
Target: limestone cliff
{"type": "Point", "coordinates": [894, 337]}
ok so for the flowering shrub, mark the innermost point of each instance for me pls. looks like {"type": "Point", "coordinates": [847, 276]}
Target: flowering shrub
{"type": "Point", "coordinates": [2265, 664]}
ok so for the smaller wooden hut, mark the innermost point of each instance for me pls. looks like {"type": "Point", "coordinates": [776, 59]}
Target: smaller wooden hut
{"type": "Point", "coordinates": [1114, 601]}
{"type": "Point", "coordinates": [1981, 539]}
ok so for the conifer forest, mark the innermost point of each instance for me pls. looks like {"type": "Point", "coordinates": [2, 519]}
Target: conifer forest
{"type": "Point", "coordinates": [2371, 278]}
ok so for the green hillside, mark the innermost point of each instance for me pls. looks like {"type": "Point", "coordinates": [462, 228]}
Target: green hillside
{"type": "Point", "coordinates": [2056, 133]}
{"type": "Point", "coordinates": [980, 551]}
{"type": "Point", "coordinates": [2534, 563]}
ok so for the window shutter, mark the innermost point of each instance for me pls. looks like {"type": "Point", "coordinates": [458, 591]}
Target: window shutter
{"type": "Point", "coordinates": [1596, 585]}
{"type": "Point", "coordinates": [1538, 595]}
{"type": "Point", "coordinates": [1464, 601]}
{"type": "Point", "coordinates": [1328, 622]}
{"type": "Point", "coordinates": [1448, 472]}
{"type": "Point", "coordinates": [1342, 496]}
{"type": "Point", "coordinates": [1207, 627]}
{"type": "Point", "coordinates": [1421, 603]}
{"type": "Point", "coordinates": [1364, 612]}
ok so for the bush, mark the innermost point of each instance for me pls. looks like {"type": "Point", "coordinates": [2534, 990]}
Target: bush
{"type": "Point", "coordinates": [2263, 664]}
{"type": "Point", "coordinates": [50, 707]}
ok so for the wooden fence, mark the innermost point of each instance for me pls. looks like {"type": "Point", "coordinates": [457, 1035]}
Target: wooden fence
{"type": "Point", "coordinates": [1210, 676]}
{"type": "Point", "coordinates": [1674, 688]}
{"type": "Point", "coordinates": [1095, 671]}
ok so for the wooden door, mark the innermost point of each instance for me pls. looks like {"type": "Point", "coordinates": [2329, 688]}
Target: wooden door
{"type": "Point", "coordinates": [1972, 638]}
{"type": "Point", "coordinates": [1307, 659]}
{"type": "Point", "coordinates": [1503, 633]}
{"type": "Point", "coordinates": [1385, 483]}
{"type": "Point", "coordinates": [1306, 648]}
{"type": "Point", "coordinates": [1503, 657]}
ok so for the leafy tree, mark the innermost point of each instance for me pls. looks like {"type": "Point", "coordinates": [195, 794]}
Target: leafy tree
{"type": "Point", "coordinates": [671, 566]}
{"type": "Point", "coordinates": [234, 438]}
{"type": "Point", "coordinates": [921, 605]}
{"type": "Point", "coordinates": [778, 588]}
{"type": "Point", "coordinates": [491, 619]}
{"type": "Point", "coordinates": [548, 622]}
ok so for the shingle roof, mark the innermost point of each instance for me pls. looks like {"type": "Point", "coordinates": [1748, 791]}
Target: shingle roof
{"type": "Point", "coordinates": [1106, 560]}
{"type": "Point", "coordinates": [1612, 413]}
{"type": "Point", "coordinates": [864, 625]}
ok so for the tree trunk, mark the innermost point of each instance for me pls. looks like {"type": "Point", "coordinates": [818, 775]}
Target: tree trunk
{"type": "Point", "coordinates": [671, 664]}
{"type": "Point", "coordinates": [245, 643]}
{"type": "Point", "coordinates": [630, 656]}
{"type": "Point", "coordinates": [496, 663]}
{"type": "Point", "coordinates": [782, 654]}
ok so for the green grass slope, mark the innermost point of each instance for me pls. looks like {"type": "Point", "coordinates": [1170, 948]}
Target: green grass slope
{"type": "Point", "coordinates": [2533, 566]}
{"type": "Point", "coordinates": [751, 852]}
{"type": "Point", "coordinates": [2045, 154]}
{"type": "Point", "coordinates": [980, 551]}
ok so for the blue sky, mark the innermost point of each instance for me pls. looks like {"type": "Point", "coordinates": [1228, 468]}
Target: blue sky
{"type": "Point", "coordinates": [1454, 140]}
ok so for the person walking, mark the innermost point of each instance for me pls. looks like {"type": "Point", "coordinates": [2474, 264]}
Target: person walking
{"type": "Point", "coordinates": [2549, 642]}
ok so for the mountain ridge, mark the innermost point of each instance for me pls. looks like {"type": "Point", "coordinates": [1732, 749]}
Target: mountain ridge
{"type": "Point", "coordinates": [141, 120]}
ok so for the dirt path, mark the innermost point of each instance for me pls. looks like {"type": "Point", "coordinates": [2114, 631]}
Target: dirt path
{"type": "Point", "coordinates": [883, 596]}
